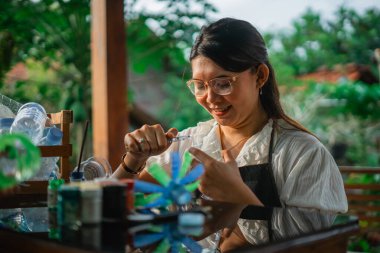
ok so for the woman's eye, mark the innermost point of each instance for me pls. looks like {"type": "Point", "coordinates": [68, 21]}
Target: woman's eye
{"type": "Point", "coordinates": [199, 85]}
{"type": "Point", "coordinates": [222, 84]}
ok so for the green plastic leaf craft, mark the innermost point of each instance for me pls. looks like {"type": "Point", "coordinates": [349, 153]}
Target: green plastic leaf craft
{"type": "Point", "coordinates": [175, 189]}
{"type": "Point", "coordinates": [20, 159]}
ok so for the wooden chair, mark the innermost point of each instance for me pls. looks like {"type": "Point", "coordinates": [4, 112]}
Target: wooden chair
{"type": "Point", "coordinates": [34, 193]}
{"type": "Point", "coordinates": [363, 198]}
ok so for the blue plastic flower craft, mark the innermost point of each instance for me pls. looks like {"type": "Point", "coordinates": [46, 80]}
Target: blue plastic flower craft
{"type": "Point", "coordinates": [168, 237]}
{"type": "Point", "coordinates": [172, 190]}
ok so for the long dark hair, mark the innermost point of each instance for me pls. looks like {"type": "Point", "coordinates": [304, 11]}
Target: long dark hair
{"type": "Point", "coordinates": [236, 46]}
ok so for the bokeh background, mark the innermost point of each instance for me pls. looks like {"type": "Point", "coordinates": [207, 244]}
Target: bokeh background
{"type": "Point", "coordinates": [323, 53]}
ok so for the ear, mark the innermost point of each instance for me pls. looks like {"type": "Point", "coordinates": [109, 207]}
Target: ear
{"type": "Point", "coordinates": [262, 75]}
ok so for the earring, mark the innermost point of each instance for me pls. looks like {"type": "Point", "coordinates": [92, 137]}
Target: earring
{"type": "Point", "coordinates": [261, 91]}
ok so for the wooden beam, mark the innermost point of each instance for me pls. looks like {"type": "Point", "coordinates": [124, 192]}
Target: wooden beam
{"type": "Point", "coordinates": [109, 79]}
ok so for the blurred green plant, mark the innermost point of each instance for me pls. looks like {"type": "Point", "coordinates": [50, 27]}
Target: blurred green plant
{"type": "Point", "coordinates": [54, 35]}
{"type": "Point", "coordinates": [160, 41]}
{"type": "Point", "coordinates": [344, 113]}
{"type": "Point", "coordinates": [314, 42]}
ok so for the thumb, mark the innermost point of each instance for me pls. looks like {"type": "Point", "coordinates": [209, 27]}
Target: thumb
{"type": "Point", "coordinates": [228, 158]}
{"type": "Point", "coordinates": [171, 133]}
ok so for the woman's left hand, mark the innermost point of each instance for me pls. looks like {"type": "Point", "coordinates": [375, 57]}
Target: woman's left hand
{"type": "Point", "coordinates": [222, 181]}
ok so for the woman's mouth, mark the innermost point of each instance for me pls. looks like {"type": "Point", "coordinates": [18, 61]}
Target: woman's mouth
{"type": "Point", "coordinates": [220, 111]}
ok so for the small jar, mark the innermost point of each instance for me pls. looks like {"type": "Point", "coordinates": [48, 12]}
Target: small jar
{"type": "Point", "coordinates": [69, 211]}
{"type": "Point", "coordinates": [53, 187]}
{"type": "Point", "coordinates": [114, 206]}
{"type": "Point", "coordinates": [91, 203]}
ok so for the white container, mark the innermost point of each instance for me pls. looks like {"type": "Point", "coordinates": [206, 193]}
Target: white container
{"type": "Point", "coordinates": [30, 120]}
{"type": "Point", "coordinates": [49, 164]}
{"type": "Point", "coordinates": [91, 203]}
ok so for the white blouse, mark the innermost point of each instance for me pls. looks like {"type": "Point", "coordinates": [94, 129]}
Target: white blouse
{"type": "Point", "coordinates": [305, 173]}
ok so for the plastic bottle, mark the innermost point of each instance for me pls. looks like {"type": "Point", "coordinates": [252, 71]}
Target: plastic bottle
{"type": "Point", "coordinates": [5, 125]}
{"type": "Point", "coordinates": [8, 165]}
{"type": "Point", "coordinates": [20, 160]}
{"type": "Point", "coordinates": [93, 167]}
{"type": "Point", "coordinates": [23, 154]}
{"type": "Point", "coordinates": [52, 202]}
{"type": "Point", "coordinates": [49, 168]}
{"type": "Point", "coordinates": [30, 120]}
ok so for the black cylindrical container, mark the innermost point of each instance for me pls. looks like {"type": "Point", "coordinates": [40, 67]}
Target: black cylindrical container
{"type": "Point", "coordinates": [114, 206]}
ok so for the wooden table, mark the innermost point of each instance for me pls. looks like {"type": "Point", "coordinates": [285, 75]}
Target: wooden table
{"type": "Point", "coordinates": [117, 237]}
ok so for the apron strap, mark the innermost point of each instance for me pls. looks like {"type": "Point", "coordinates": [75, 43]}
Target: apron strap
{"type": "Point", "coordinates": [271, 142]}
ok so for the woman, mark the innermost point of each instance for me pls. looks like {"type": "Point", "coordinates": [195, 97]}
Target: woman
{"type": "Point", "coordinates": [253, 153]}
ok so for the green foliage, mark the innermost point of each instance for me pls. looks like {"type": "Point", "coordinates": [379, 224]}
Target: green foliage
{"type": "Point", "coordinates": [159, 41]}
{"type": "Point", "coordinates": [314, 42]}
{"type": "Point", "coordinates": [54, 36]}
{"type": "Point", "coordinates": [358, 99]}
{"type": "Point", "coordinates": [181, 110]}
{"type": "Point", "coordinates": [345, 113]}
{"type": "Point", "coordinates": [57, 37]}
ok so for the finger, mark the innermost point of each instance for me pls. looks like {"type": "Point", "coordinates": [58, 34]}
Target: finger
{"type": "Point", "coordinates": [160, 136]}
{"type": "Point", "coordinates": [200, 155]}
{"type": "Point", "coordinates": [171, 133]}
{"type": "Point", "coordinates": [194, 163]}
{"type": "Point", "coordinates": [142, 141]}
{"type": "Point", "coordinates": [150, 137]}
{"type": "Point", "coordinates": [131, 143]}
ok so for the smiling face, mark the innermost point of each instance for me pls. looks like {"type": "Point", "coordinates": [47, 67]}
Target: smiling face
{"type": "Point", "coordinates": [238, 109]}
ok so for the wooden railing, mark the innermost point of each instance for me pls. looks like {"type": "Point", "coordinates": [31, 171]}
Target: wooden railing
{"type": "Point", "coordinates": [34, 193]}
{"type": "Point", "coordinates": [363, 194]}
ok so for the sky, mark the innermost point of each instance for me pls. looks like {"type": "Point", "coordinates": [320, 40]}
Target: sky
{"type": "Point", "coordinates": [267, 15]}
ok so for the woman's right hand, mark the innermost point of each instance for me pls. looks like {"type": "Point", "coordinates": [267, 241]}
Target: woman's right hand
{"type": "Point", "coordinates": [148, 141]}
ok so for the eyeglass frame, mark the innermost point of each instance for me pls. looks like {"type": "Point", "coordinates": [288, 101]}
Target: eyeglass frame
{"type": "Point", "coordinates": [231, 80]}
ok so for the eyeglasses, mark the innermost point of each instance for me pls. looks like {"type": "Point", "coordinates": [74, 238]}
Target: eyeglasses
{"type": "Point", "coordinates": [220, 85]}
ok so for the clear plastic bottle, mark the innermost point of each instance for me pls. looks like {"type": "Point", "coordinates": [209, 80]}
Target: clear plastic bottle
{"type": "Point", "coordinates": [30, 120]}
{"type": "Point", "coordinates": [49, 168]}
{"type": "Point", "coordinates": [95, 167]}
{"type": "Point", "coordinates": [5, 125]}
{"type": "Point", "coordinates": [20, 160]}
{"type": "Point", "coordinates": [8, 166]}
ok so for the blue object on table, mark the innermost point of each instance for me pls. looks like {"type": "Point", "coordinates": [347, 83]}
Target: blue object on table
{"type": "Point", "coordinates": [76, 176]}
{"type": "Point", "coordinates": [176, 189]}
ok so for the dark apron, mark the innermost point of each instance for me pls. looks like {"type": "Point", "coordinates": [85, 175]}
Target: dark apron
{"type": "Point", "coordinates": [260, 180]}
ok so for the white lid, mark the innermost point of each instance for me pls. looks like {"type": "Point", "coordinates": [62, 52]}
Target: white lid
{"type": "Point", "coordinates": [191, 219]}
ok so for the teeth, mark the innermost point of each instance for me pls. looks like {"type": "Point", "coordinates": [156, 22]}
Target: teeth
{"type": "Point", "coordinates": [220, 109]}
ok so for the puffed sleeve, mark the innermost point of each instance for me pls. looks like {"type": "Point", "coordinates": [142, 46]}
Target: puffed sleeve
{"type": "Point", "coordinates": [307, 175]}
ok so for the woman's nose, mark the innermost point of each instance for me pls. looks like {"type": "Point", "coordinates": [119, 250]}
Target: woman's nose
{"type": "Point", "coordinates": [212, 97]}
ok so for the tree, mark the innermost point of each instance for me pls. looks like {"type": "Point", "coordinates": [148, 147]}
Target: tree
{"type": "Point", "coordinates": [57, 40]}
{"type": "Point", "coordinates": [314, 42]}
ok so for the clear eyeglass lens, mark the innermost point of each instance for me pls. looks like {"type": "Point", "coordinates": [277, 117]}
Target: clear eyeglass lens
{"type": "Point", "coordinates": [221, 86]}
{"type": "Point", "coordinates": [198, 88]}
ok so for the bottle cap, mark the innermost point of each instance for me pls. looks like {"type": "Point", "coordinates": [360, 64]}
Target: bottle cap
{"type": "Point", "coordinates": [35, 105]}
{"type": "Point", "coordinates": [54, 136]}
{"type": "Point", "coordinates": [6, 122]}
{"type": "Point", "coordinates": [56, 183]}
{"type": "Point", "coordinates": [191, 219]}
{"type": "Point", "coordinates": [76, 176]}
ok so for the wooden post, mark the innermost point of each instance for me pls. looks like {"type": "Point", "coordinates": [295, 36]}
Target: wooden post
{"type": "Point", "coordinates": [109, 79]}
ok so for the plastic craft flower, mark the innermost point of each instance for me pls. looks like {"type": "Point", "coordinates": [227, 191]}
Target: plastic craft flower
{"type": "Point", "coordinates": [19, 159]}
{"type": "Point", "coordinates": [170, 236]}
{"type": "Point", "coordinates": [176, 189]}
